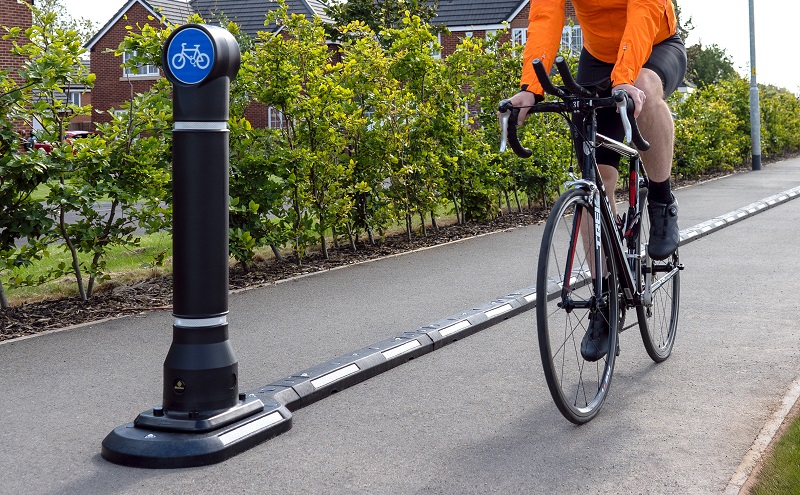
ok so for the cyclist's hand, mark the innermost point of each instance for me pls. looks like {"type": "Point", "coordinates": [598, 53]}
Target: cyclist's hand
{"type": "Point", "coordinates": [524, 99]}
{"type": "Point", "coordinates": [636, 94]}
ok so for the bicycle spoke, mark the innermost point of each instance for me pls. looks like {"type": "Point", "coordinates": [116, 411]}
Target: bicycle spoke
{"type": "Point", "coordinates": [563, 315]}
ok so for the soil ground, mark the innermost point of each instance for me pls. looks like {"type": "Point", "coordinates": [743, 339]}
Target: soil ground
{"type": "Point", "coordinates": [113, 299]}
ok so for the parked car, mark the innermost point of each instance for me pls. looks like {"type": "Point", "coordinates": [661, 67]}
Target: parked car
{"type": "Point", "coordinates": [69, 136]}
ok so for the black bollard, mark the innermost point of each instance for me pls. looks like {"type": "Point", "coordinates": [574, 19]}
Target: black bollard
{"type": "Point", "coordinates": [203, 418]}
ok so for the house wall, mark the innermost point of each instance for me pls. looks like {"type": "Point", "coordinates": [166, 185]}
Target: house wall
{"type": "Point", "coordinates": [111, 87]}
{"type": "Point", "coordinates": [14, 14]}
{"type": "Point", "coordinates": [449, 43]}
{"type": "Point", "coordinates": [83, 122]}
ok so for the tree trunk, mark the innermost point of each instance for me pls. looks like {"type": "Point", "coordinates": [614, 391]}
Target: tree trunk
{"type": "Point", "coordinates": [516, 198]}
{"type": "Point", "coordinates": [276, 253]}
{"type": "Point", "coordinates": [3, 298]}
{"type": "Point", "coordinates": [422, 221]}
{"type": "Point", "coordinates": [433, 222]}
{"type": "Point", "coordinates": [335, 238]}
{"type": "Point", "coordinates": [76, 266]}
{"type": "Point", "coordinates": [370, 236]}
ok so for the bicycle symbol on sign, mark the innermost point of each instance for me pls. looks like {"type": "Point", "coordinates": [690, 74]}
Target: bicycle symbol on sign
{"type": "Point", "coordinates": [193, 55]}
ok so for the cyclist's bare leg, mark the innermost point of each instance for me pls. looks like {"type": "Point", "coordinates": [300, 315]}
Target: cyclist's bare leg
{"type": "Point", "coordinates": [609, 175]}
{"type": "Point", "coordinates": [655, 122]}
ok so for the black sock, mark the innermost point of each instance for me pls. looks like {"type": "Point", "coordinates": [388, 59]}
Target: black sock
{"type": "Point", "coordinates": [660, 192]}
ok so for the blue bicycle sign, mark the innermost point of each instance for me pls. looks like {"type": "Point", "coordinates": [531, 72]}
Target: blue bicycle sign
{"type": "Point", "coordinates": [194, 56]}
{"type": "Point", "coordinates": [190, 55]}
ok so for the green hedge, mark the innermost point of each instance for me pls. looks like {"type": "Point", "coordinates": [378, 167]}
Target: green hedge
{"type": "Point", "coordinates": [384, 135]}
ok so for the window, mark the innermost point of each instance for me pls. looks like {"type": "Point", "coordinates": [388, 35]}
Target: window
{"type": "Point", "coordinates": [489, 34]}
{"type": "Point", "coordinates": [275, 119]}
{"type": "Point", "coordinates": [436, 51]}
{"type": "Point", "coordinates": [75, 98]}
{"type": "Point", "coordinates": [572, 40]}
{"type": "Point", "coordinates": [139, 70]}
{"type": "Point", "coordinates": [519, 36]}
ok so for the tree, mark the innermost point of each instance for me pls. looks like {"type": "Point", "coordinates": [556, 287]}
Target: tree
{"type": "Point", "coordinates": [84, 28]}
{"type": "Point", "coordinates": [685, 26]}
{"type": "Point", "coordinates": [20, 175]}
{"type": "Point", "coordinates": [709, 65]}
{"type": "Point", "coordinates": [378, 15]}
{"type": "Point", "coordinates": [52, 67]}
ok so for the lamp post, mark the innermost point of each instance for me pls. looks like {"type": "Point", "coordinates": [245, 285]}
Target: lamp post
{"type": "Point", "coordinates": [755, 111]}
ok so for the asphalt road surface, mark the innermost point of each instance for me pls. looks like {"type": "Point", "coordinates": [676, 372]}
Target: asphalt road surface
{"type": "Point", "coordinates": [471, 417]}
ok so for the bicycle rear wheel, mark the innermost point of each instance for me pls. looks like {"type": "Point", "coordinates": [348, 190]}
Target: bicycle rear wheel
{"type": "Point", "coordinates": [658, 313]}
{"type": "Point", "coordinates": [565, 294]}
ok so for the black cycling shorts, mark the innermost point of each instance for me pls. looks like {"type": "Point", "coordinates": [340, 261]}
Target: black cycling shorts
{"type": "Point", "coordinates": [668, 60]}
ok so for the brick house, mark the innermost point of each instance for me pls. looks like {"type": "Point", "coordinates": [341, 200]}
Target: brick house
{"type": "Point", "coordinates": [480, 18]}
{"type": "Point", "coordinates": [249, 14]}
{"type": "Point", "coordinates": [14, 13]}
{"type": "Point", "coordinates": [114, 86]}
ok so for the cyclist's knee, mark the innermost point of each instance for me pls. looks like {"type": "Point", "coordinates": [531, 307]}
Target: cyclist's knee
{"type": "Point", "coordinates": [649, 82]}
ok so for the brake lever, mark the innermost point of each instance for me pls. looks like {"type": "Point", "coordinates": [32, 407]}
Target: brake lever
{"type": "Point", "coordinates": [621, 97]}
{"type": "Point", "coordinates": [626, 109]}
{"type": "Point", "coordinates": [505, 115]}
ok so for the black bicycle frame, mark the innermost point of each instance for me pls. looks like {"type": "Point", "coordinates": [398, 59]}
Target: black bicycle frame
{"type": "Point", "coordinates": [586, 138]}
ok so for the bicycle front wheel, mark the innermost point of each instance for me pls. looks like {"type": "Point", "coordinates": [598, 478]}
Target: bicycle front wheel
{"type": "Point", "coordinates": [661, 290]}
{"type": "Point", "coordinates": [566, 303]}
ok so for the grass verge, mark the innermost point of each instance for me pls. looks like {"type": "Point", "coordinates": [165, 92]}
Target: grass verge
{"type": "Point", "coordinates": [779, 474]}
{"type": "Point", "coordinates": [124, 264]}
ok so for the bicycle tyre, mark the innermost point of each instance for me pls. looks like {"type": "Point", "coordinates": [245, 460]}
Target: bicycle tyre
{"type": "Point", "coordinates": [658, 317]}
{"type": "Point", "coordinates": [578, 387]}
{"type": "Point", "coordinates": [178, 61]}
{"type": "Point", "coordinates": [202, 61]}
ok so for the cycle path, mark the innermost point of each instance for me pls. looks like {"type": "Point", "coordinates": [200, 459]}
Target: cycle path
{"type": "Point", "coordinates": [472, 417]}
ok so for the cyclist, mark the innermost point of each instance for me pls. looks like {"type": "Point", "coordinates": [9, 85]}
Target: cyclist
{"type": "Point", "coordinates": [630, 45]}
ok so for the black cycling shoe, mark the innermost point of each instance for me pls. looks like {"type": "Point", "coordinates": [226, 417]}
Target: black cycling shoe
{"type": "Point", "coordinates": [664, 232]}
{"type": "Point", "coordinates": [595, 342]}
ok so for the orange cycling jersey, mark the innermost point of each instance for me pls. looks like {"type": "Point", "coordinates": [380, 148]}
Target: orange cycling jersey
{"type": "Point", "coordinates": [621, 32]}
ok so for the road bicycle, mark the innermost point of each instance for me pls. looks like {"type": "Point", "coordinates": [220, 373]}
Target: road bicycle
{"type": "Point", "coordinates": [583, 239]}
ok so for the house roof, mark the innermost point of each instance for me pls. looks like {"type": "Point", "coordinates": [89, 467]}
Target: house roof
{"type": "Point", "coordinates": [457, 15]}
{"type": "Point", "coordinates": [476, 13]}
{"type": "Point", "coordinates": [250, 14]}
{"type": "Point", "coordinates": [175, 11]}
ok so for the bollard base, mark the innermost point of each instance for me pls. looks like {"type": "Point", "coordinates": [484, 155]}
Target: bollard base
{"type": "Point", "coordinates": [197, 422]}
{"type": "Point", "coordinates": [135, 446]}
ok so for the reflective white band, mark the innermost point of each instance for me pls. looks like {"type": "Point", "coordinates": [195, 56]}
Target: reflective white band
{"type": "Point", "coordinates": [251, 427]}
{"type": "Point", "coordinates": [201, 126]}
{"type": "Point", "coordinates": [401, 349]}
{"type": "Point", "coordinates": [335, 375]}
{"type": "Point", "coordinates": [505, 308]}
{"type": "Point", "coordinates": [201, 322]}
{"type": "Point", "coordinates": [455, 327]}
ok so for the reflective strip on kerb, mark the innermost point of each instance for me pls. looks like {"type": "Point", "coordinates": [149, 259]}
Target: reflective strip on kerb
{"type": "Point", "coordinates": [251, 427]}
{"type": "Point", "coordinates": [334, 376]}
{"type": "Point", "coordinates": [401, 349]}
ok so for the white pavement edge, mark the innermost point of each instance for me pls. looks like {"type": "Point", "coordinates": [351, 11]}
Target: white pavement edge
{"type": "Point", "coordinates": [763, 440]}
